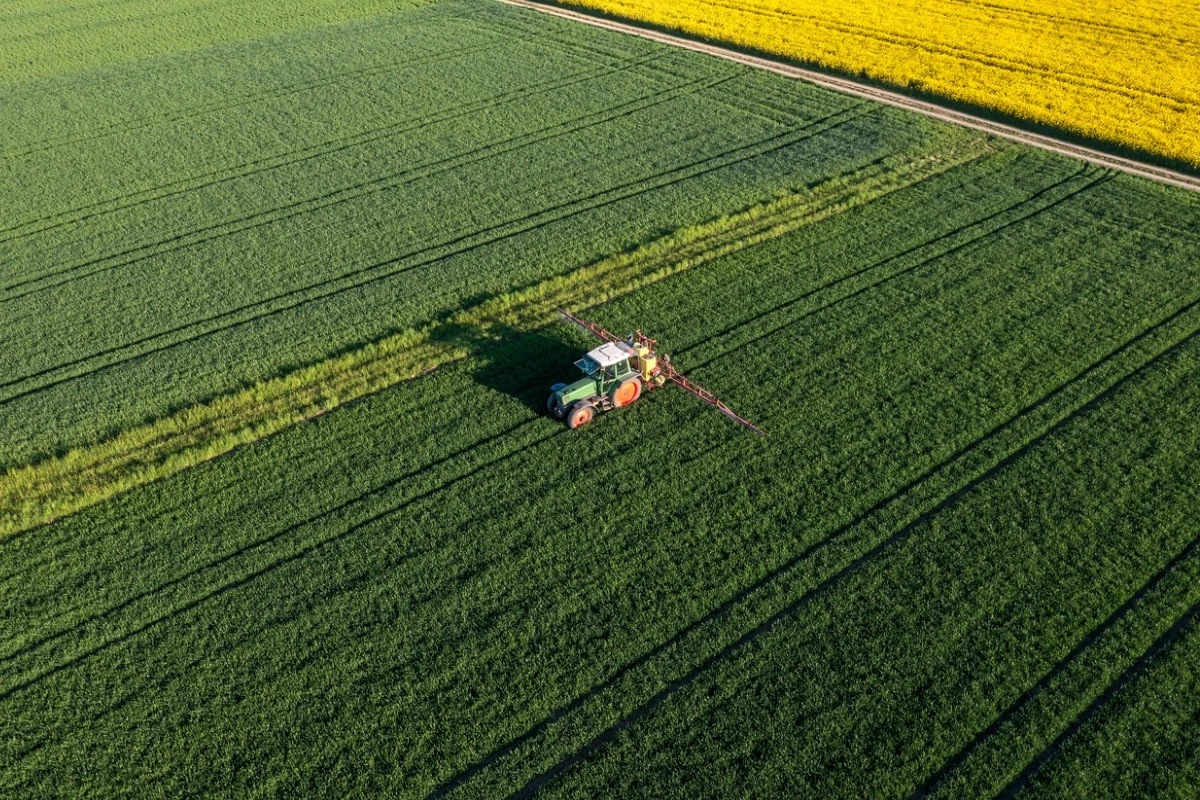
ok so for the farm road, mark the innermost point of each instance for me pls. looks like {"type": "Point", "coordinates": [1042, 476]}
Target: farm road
{"type": "Point", "coordinates": [1054, 145]}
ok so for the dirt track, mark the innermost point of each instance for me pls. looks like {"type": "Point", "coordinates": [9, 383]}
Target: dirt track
{"type": "Point", "coordinates": [1050, 143]}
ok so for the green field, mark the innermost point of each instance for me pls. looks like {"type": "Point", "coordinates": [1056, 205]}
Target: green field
{"type": "Point", "coordinates": [964, 561]}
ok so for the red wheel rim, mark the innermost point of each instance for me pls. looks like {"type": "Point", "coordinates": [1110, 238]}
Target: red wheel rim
{"type": "Point", "coordinates": [627, 393]}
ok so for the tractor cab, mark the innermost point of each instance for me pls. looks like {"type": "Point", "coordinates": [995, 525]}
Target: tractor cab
{"type": "Point", "coordinates": [607, 364]}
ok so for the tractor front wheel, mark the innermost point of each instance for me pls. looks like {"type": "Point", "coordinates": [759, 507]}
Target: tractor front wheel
{"type": "Point", "coordinates": [627, 392]}
{"type": "Point", "coordinates": [580, 415]}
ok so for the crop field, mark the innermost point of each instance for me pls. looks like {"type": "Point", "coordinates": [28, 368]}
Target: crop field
{"type": "Point", "coordinates": [57, 38]}
{"type": "Point", "coordinates": [190, 249]}
{"type": "Point", "coordinates": [1123, 73]}
{"type": "Point", "coordinates": [281, 512]}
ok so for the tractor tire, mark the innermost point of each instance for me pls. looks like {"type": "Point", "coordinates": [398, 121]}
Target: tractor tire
{"type": "Point", "coordinates": [629, 391]}
{"type": "Point", "coordinates": [581, 414]}
{"type": "Point", "coordinates": [554, 408]}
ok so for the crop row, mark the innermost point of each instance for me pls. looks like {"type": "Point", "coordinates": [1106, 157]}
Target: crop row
{"type": "Point", "coordinates": [976, 482]}
{"type": "Point", "coordinates": [198, 271]}
{"type": "Point", "coordinates": [39, 493]}
{"type": "Point", "coordinates": [1089, 70]}
{"type": "Point", "coordinates": [49, 40]}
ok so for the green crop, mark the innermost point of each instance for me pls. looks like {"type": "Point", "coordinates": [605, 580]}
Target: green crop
{"type": "Point", "coordinates": [343, 184]}
{"type": "Point", "coordinates": [44, 491]}
{"type": "Point", "coordinates": [971, 517]}
{"type": "Point", "coordinates": [963, 561]}
{"type": "Point", "coordinates": [55, 38]}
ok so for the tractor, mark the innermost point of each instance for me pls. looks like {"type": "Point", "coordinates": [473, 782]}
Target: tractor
{"type": "Point", "coordinates": [616, 374]}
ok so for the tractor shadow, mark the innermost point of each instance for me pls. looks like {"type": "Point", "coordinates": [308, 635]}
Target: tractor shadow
{"type": "Point", "coordinates": [526, 367]}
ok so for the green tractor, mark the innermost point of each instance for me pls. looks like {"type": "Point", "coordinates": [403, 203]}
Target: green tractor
{"type": "Point", "coordinates": [616, 374]}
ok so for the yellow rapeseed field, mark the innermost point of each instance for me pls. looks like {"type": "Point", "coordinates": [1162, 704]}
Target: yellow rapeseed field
{"type": "Point", "coordinates": [1126, 72]}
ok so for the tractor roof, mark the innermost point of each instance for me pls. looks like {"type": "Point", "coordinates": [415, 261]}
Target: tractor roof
{"type": "Point", "coordinates": [608, 354]}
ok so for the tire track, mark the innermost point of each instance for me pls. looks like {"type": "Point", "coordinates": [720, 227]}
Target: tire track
{"type": "Point", "coordinates": [972, 458]}
{"type": "Point", "coordinates": [79, 627]}
{"type": "Point", "coordinates": [542, 779]}
{"type": "Point", "coordinates": [929, 109]}
{"type": "Point", "coordinates": [537, 30]}
{"type": "Point", "coordinates": [934, 782]}
{"type": "Point", "coordinates": [622, 59]}
{"type": "Point", "coordinates": [478, 154]}
{"type": "Point", "coordinates": [914, 249]}
{"type": "Point", "coordinates": [497, 30]}
{"type": "Point", "coordinates": [1134, 671]}
{"type": "Point", "coordinates": [1024, 216]}
{"type": "Point", "coordinates": [259, 166]}
{"type": "Point", "coordinates": [756, 104]}
{"type": "Point", "coordinates": [427, 255]}
{"type": "Point", "coordinates": [345, 194]}
{"type": "Point", "coordinates": [306, 550]}
{"type": "Point", "coordinates": [1149, 333]}
{"type": "Point", "coordinates": [30, 647]}
{"type": "Point", "coordinates": [165, 513]}
{"type": "Point", "coordinates": [143, 448]}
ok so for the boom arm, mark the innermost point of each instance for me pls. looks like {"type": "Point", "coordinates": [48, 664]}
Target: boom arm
{"type": "Point", "coordinates": [680, 380]}
{"type": "Point", "coordinates": [591, 327]}
{"type": "Point", "coordinates": [673, 375]}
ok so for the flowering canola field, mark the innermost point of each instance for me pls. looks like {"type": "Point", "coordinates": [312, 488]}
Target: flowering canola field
{"type": "Point", "coordinates": [1123, 72]}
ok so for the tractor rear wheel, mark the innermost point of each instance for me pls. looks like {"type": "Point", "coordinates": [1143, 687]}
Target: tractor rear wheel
{"type": "Point", "coordinates": [627, 392]}
{"type": "Point", "coordinates": [581, 414]}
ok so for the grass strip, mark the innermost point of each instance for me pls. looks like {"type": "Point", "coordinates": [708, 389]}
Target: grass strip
{"type": "Point", "coordinates": [46, 490]}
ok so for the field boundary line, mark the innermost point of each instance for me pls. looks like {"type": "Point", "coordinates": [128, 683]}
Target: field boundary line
{"type": "Point", "coordinates": [941, 112]}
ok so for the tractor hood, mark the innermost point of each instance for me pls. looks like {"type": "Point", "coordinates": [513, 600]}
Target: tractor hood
{"type": "Point", "coordinates": [579, 390]}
